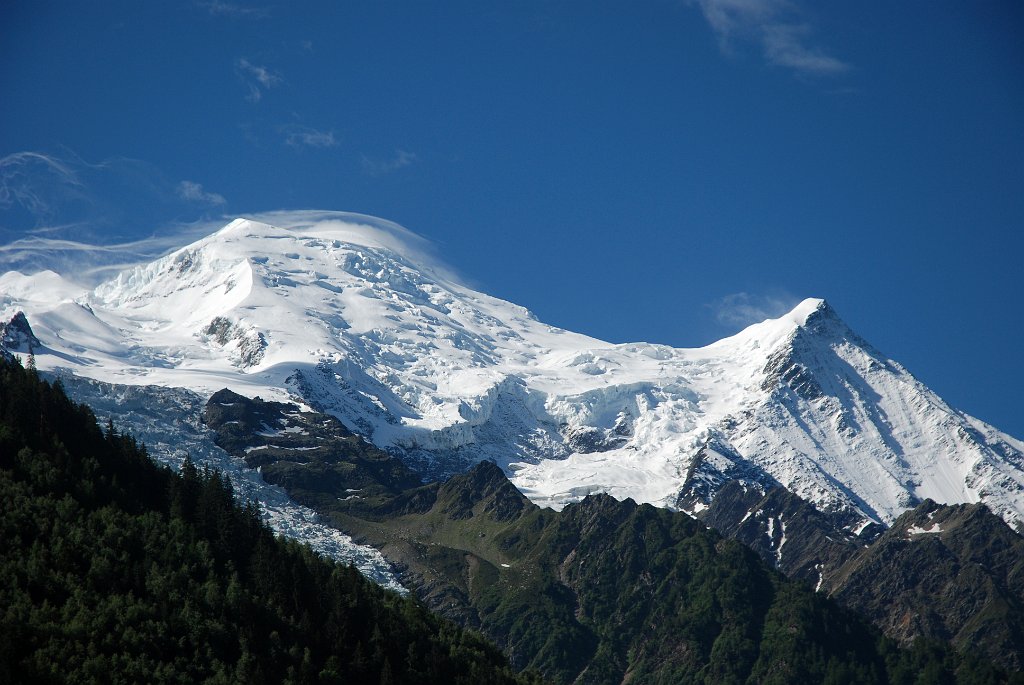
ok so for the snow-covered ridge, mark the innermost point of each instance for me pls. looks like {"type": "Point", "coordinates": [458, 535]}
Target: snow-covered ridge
{"type": "Point", "coordinates": [354, 319]}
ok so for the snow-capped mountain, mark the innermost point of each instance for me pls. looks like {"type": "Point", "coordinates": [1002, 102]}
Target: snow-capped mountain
{"type": "Point", "coordinates": [347, 315]}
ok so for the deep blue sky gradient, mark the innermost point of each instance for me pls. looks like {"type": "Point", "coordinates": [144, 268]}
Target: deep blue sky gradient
{"type": "Point", "coordinates": [629, 170]}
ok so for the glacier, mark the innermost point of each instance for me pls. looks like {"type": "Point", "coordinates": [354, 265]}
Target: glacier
{"type": "Point", "coordinates": [352, 316]}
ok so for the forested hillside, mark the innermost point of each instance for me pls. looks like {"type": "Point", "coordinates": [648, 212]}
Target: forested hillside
{"type": "Point", "coordinates": [604, 591]}
{"type": "Point", "coordinates": [113, 569]}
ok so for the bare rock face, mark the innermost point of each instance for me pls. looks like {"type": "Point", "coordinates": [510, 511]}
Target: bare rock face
{"type": "Point", "coordinates": [16, 335]}
{"type": "Point", "coordinates": [950, 573]}
{"type": "Point", "coordinates": [246, 344]}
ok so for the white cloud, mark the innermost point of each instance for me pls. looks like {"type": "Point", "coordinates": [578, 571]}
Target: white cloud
{"type": "Point", "coordinates": [380, 232]}
{"type": "Point", "coordinates": [783, 46]}
{"type": "Point", "coordinates": [299, 136]}
{"type": "Point", "coordinates": [742, 309]}
{"type": "Point", "coordinates": [91, 262]}
{"type": "Point", "coordinates": [379, 167]}
{"type": "Point", "coordinates": [776, 26]}
{"type": "Point", "coordinates": [257, 77]}
{"type": "Point", "coordinates": [193, 192]}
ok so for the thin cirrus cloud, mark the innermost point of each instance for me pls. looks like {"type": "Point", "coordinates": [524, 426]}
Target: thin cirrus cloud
{"type": "Point", "coordinates": [67, 214]}
{"type": "Point", "coordinates": [194, 192]}
{"type": "Point", "coordinates": [219, 8]}
{"type": "Point", "coordinates": [88, 262]}
{"type": "Point", "coordinates": [37, 183]}
{"type": "Point", "coordinates": [299, 136]}
{"type": "Point", "coordinates": [738, 310]}
{"type": "Point", "coordinates": [257, 78]}
{"type": "Point", "coordinates": [380, 167]}
{"type": "Point", "coordinates": [777, 27]}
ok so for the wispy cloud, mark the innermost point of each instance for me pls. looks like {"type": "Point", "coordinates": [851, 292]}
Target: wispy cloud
{"type": "Point", "coordinates": [299, 136]}
{"type": "Point", "coordinates": [379, 167]}
{"type": "Point", "coordinates": [89, 263]}
{"type": "Point", "coordinates": [66, 213]}
{"type": "Point", "coordinates": [257, 78]}
{"type": "Point", "coordinates": [738, 310]}
{"type": "Point", "coordinates": [218, 8]}
{"type": "Point", "coordinates": [37, 183]}
{"type": "Point", "coordinates": [194, 192]}
{"type": "Point", "coordinates": [777, 27]}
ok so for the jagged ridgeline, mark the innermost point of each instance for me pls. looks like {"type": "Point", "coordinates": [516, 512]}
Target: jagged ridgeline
{"type": "Point", "coordinates": [116, 570]}
{"type": "Point", "coordinates": [604, 591]}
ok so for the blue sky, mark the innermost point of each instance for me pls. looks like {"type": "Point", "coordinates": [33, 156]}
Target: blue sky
{"type": "Point", "coordinates": [658, 170]}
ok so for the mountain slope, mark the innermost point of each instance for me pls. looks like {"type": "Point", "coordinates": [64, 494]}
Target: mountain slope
{"type": "Point", "coordinates": [169, 421]}
{"type": "Point", "coordinates": [607, 592]}
{"type": "Point", "coordinates": [478, 551]}
{"type": "Point", "coordinates": [116, 570]}
{"type": "Point", "coordinates": [348, 316]}
{"type": "Point", "coordinates": [951, 573]}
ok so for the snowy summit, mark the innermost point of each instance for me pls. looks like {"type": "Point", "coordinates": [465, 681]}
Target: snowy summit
{"type": "Point", "coordinates": [351, 316]}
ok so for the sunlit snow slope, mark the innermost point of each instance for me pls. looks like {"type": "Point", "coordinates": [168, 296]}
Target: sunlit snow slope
{"type": "Point", "coordinates": [347, 314]}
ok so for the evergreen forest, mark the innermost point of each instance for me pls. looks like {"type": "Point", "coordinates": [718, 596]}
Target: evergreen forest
{"type": "Point", "coordinates": [116, 570]}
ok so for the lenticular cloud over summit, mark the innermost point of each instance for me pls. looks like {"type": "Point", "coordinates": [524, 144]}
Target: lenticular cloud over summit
{"type": "Point", "coordinates": [355, 316]}
{"type": "Point", "coordinates": [360, 229]}
{"type": "Point", "coordinates": [70, 251]}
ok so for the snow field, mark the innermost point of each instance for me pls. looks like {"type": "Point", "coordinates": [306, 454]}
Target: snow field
{"type": "Point", "coordinates": [348, 315]}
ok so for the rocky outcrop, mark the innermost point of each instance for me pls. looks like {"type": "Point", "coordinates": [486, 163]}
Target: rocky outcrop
{"type": "Point", "coordinates": [16, 335]}
{"type": "Point", "coordinates": [785, 530]}
{"type": "Point", "coordinates": [950, 573]}
{"type": "Point", "coordinates": [311, 455]}
{"type": "Point", "coordinates": [245, 344]}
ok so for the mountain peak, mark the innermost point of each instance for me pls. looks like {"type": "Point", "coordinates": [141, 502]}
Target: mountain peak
{"type": "Point", "coordinates": [16, 335]}
{"type": "Point", "coordinates": [809, 308]}
{"type": "Point", "coordinates": [483, 489]}
{"type": "Point", "coordinates": [817, 316]}
{"type": "Point", "coordinates": [336, 230]}
{"type": "Point", "coordinates": [349, 314]}
{"type": "Point", "coordinates": [771, 335]}
{"type": "Point", "coordinates": [817, 323]}
{"type": "Point", "coordinates": [815, 312]}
